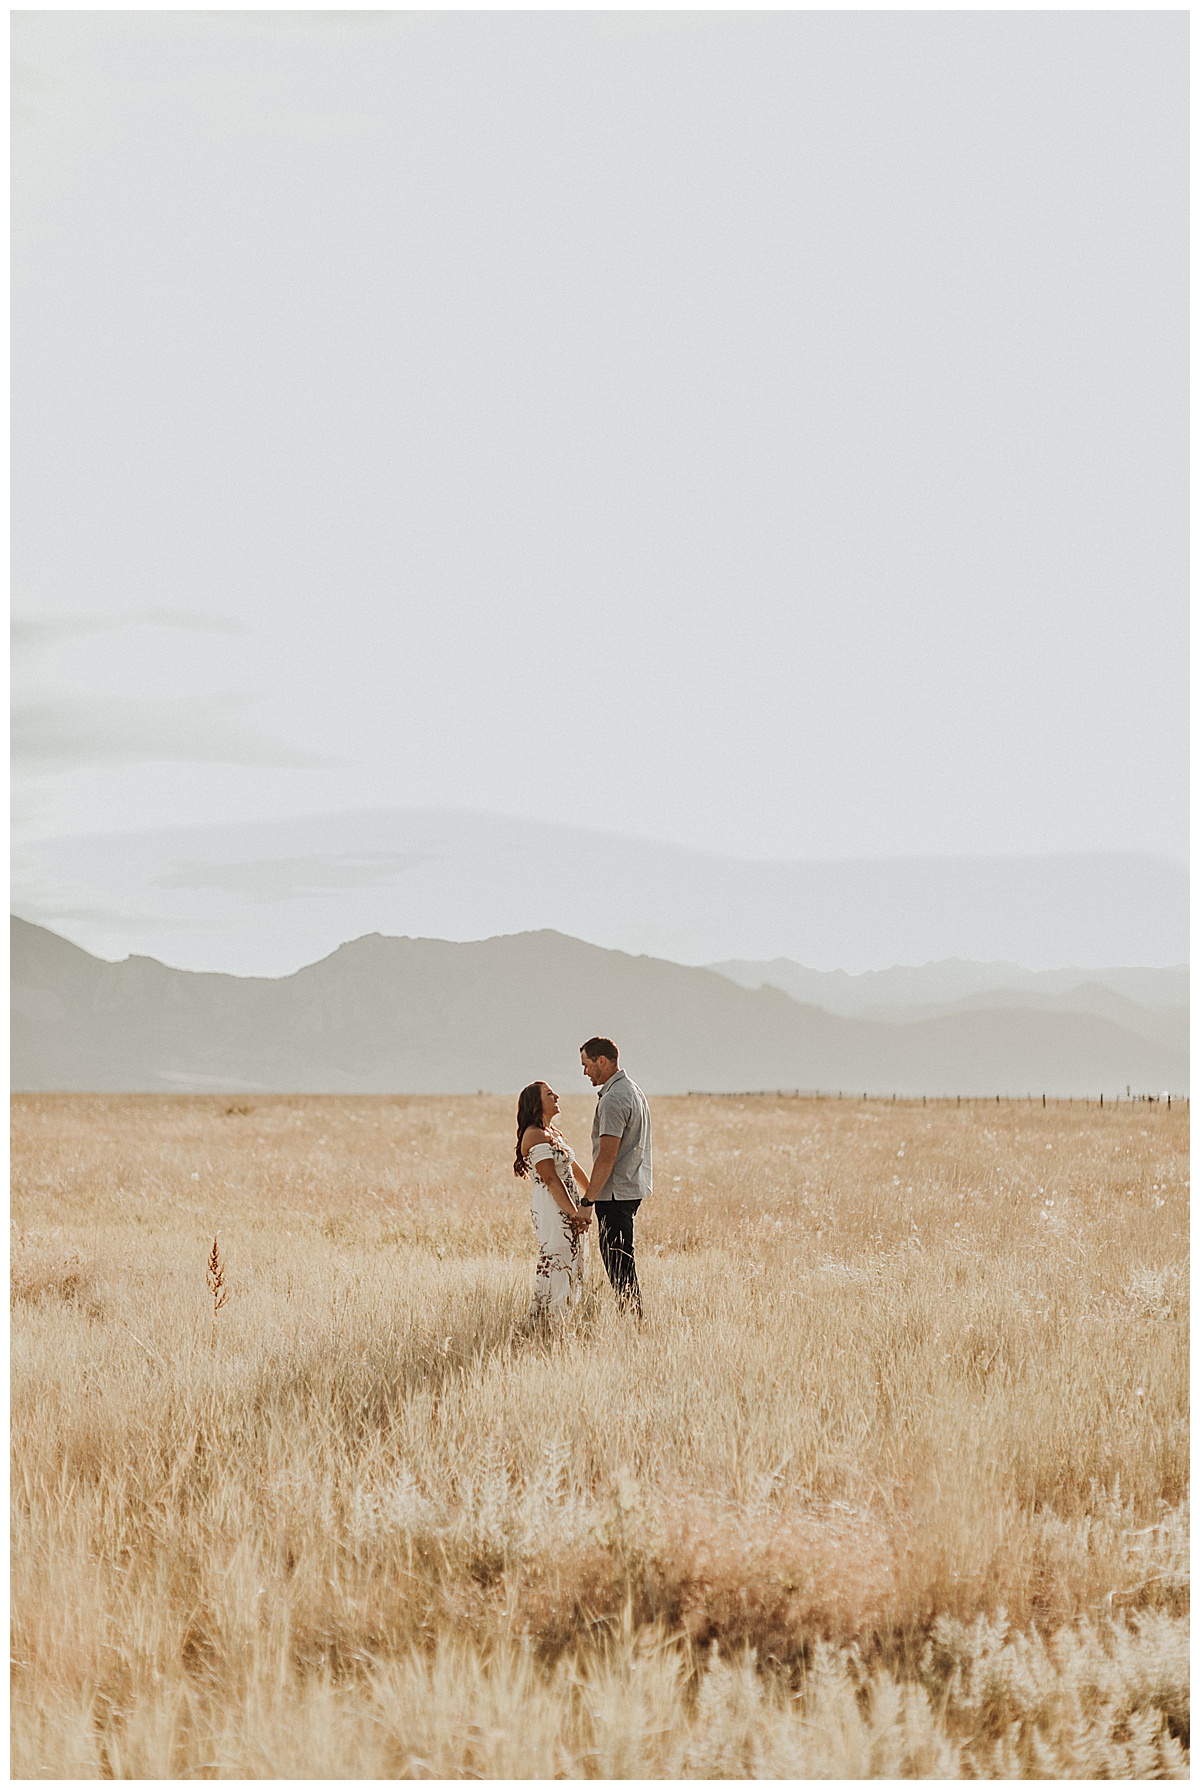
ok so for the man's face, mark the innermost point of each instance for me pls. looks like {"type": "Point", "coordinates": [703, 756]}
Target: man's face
{"type": "Point", "coordinates": [597, 1069]}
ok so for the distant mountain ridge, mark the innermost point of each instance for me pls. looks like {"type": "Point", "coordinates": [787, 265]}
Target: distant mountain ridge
{"type": "Point", "coordinates": [435, 1016]}
{"type": "Point", "coordinates": [1155, 1003]}
{"type": "Point", "coordinates": [267, 898]}
{"type": "Point", "coordinates": [952, 979]}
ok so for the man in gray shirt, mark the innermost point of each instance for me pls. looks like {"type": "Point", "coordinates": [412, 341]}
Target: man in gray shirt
{"type": "Point", "coordinates": [622, 1164]}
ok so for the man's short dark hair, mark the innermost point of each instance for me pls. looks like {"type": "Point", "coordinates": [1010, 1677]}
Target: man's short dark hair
{"type": "Point", "coordinates": [600, 1047]}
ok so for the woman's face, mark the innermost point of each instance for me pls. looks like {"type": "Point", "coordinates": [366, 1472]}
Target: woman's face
{"type": "Point", "coordinates": [550, 1106]}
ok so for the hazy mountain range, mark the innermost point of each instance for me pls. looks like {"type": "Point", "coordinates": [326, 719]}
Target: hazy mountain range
{"type": "Point", "coordinates": [1152, 1002]}
{"type": "Point", "coordinates": [265, 899]}
{"type": "Point", "coordinates": [432, 1015]}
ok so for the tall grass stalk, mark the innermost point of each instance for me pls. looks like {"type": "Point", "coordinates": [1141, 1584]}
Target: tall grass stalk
{"type": "Point", "coordinates": [214, 1279]}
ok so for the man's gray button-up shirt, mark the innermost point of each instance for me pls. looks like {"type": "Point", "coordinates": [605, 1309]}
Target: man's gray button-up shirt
{"type": "Point", "coordinates": [623, 1111]}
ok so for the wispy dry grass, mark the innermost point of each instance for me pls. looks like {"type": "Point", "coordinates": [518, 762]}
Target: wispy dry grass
{"type": "Point", "coordinates": [892, 1482]}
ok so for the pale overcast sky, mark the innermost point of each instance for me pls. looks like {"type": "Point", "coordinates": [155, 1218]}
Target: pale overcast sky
{"type": "Point", "coordinates": [765, 432]}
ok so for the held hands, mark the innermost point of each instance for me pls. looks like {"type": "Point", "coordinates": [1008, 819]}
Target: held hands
{"type": "Point", "coordinates": [581, 1218]}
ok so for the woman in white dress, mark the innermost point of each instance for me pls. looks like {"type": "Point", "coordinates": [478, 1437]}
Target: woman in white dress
{"type": "Point", "coordinates": [546, 1158]}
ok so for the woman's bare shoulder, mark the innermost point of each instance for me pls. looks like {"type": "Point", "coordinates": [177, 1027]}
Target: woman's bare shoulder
{"type": "Point", "coordinates": [533, 1134]}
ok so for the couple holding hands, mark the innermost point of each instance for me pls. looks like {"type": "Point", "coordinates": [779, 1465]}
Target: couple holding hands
{"type": "Point", "coordinates": [619, 1181]}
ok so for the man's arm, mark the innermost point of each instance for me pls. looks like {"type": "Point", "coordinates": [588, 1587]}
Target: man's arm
{"type": "Point", "coordinates": [606, 1155]}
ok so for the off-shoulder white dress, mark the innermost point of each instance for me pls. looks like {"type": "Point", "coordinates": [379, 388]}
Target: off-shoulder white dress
{"type": "Point", "coordinates": [562, 1255]}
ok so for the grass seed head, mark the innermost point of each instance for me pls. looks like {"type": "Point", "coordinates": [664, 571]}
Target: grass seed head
{"type": "Point", "coordinates": [215, 1276]}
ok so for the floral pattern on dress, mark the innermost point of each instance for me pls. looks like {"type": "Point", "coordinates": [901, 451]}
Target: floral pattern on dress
{"type": "Point", "coordinates": [562, 1255]}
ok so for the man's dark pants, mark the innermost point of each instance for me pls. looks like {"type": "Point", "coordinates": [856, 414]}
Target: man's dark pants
{"type": "Point", "coordinates": [614, 1221]}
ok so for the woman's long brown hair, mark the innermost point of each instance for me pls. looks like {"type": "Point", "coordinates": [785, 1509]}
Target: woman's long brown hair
{"type": "Point", "coordinates": [529, 1112]}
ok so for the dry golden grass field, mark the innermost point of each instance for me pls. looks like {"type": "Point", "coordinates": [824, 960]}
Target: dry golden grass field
{"type": "Point", "coordinates": [892, 1481]}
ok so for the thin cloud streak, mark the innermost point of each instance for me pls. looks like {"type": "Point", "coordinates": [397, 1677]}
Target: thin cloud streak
{"type": "Point", "coordinates": [283, 879]}
{"type": "Point", "coordinates": [52, 630]}
{"type": "Point", "coordinates": [68, 733]}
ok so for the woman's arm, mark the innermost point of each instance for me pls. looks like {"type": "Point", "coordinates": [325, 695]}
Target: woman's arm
{"type": "Point", "coordinates": [558, 1193]}
{"type": "Point", "coordinates": [583, 1213]}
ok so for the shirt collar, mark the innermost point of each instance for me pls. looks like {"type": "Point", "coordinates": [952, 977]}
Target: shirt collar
{"type": "Point", "coordinates": [603, 1089]}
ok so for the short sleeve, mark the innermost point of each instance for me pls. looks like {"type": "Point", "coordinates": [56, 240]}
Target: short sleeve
{"type": "Point", "coordinates": [615, 1113]}
{"type": "Point", "coordinates": [540, 1153]}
